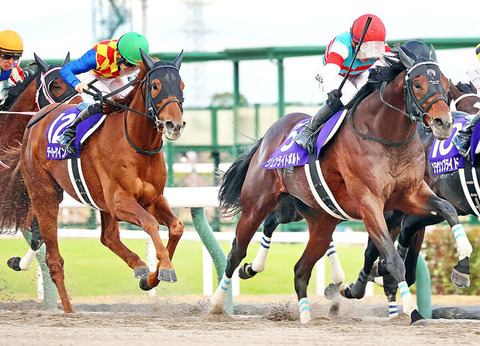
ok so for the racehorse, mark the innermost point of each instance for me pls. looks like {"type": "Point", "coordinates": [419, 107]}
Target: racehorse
{"type": "Point", "coordinates": [122, 169]}
{"type": "Point", "coordinates": [40, 88]}
{"type": "Point", "coordinates": [411, 228]}
{"type": "Point", "coordinates": [380, 142]}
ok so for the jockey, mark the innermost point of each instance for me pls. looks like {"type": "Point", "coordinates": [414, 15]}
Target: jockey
{"type": "Point", "coordinates": [337, 59]}
{"type": "Point", "coordinates": [11, 49]}
{"type": "Point", "coordinates": [110, 62]}
{"type": "Point", "coordinates": [462, 138]}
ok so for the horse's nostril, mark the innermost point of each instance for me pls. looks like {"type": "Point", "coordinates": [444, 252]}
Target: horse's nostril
{"type": "Point", "coordinates": [169, 125]}
{"type": "Point", "coordinates": [438, 122]}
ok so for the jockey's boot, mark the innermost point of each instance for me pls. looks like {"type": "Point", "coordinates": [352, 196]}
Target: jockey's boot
{"type": "Point", "coordinates": [66, 140]}
{"type": "Point", "coordinates": [332, 105]}
{"type": "Point", "coordinates": [463, 136]}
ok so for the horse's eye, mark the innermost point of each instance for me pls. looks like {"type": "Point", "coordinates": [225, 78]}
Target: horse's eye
{"type": "Point", "coordinates": [417, 85]}
{"type": "Point", "coordinates": [155, 87]}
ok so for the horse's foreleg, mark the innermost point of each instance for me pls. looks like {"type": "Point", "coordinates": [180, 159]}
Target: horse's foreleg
{"type": "Point", "coordinates": [378, 232]}
{"type": "Point", "coordinates": [110, 237]}
{"type": "Point", "coordinates": [126, 208]}
{"type": "Point", "coordinates": [426, 203]}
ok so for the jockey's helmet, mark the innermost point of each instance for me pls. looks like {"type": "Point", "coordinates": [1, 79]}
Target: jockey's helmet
{"type": "Point", "coordinates": [10, 42]}
{"type": "Point", "coordinates": [129, 46]}
{"type": "Point", "coordinates": [375, 32]}
{"type": "Point", "coordinates": [477, 50]}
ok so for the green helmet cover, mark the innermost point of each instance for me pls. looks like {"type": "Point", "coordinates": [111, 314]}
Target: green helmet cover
{"type": "Point", "coordinates": [129, 46]}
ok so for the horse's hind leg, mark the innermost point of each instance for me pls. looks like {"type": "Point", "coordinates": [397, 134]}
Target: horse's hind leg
{"type": "Point", "coordinates": [250, 219]}
{"type": "Point", "coordinates": [321, 228]}
{"type": "Point", "coordinates": [24, 263]}
{"type": "Point", "coordinates": [110, 237]}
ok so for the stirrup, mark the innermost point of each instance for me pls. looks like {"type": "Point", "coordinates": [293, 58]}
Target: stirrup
{"type": "Point", "coordinates": [67, 145]}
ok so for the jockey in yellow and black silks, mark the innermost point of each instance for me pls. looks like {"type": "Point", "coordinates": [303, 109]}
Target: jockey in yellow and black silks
{"type": "Point", "coordinates": [110, 62]}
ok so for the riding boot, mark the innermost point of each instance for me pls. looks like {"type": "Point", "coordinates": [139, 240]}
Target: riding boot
{"type": "Point", "coordinates": [66, 140]}
{"type": "Point", "coordinates": [462, 138]}
{"type": "Point", "coordinates": [305, 138]}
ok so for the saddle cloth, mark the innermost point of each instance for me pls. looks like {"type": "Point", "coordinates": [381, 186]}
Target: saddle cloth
{"type": "Point", "coordinates": [444, 156]}
{"type": "Point", "coordinates": [58, 126]}
{"type": "Point", "coordinates": [290, 154]}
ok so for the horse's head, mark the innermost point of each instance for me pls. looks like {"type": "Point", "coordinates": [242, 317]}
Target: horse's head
{"type": "Point", "coordinates": [164, 95]}
{"type": "Point", "coordinates": [425, 92]}
{"type": "Point", "coordinates": [50, 85]}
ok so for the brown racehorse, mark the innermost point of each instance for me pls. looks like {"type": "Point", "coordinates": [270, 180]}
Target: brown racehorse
{"type": "Point", "coordinates": [40, 88]}
{"type": "Point", "coordinates": [123, 169]}
{"type": "Point", "coordinates": [411, 228]}
{"type": "Point", "coordinates": [374, 164]}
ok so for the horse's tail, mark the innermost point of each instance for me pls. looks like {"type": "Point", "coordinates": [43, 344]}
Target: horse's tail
{"type": "Point", "coordinates": [232, 182]}
{"type": "Point", "coordinates": [15, 206]}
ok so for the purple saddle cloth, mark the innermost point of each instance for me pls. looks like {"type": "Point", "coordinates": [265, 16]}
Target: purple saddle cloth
{"type": "Point", "coordinates": [58, 126]}
{"type": "Point", "coordinates": [444, 156]}
{"type": "Point", "coordinates": [290, 154]}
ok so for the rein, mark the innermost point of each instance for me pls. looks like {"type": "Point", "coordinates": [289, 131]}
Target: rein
{"type": "Point", "coordinates": [411, 101]}
{"type": "Point", "coordinates": [150, 105]}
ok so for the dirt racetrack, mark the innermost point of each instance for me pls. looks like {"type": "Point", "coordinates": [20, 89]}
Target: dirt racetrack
{"type": "Point", "coordinates": [262, 320]}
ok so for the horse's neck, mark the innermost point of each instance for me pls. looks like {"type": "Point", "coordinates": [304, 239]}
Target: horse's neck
{"type": "Point", "coordinates": [142, 130]}
{"type": "Point", "coordinates": [26, 100]}
{"type": "Point", "coordinates": [381, 121]}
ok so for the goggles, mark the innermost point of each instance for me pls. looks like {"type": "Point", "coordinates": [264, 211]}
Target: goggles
{"type": "Point", "coordinates": [371, 49]}
{"type": "Point", "coordinates": [8, 56]}
{"type": "Point", "coordinates": [124, 61]}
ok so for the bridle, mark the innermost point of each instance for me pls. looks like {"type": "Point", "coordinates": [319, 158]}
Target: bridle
{"type": "Point", "coordinates": [169, 76]}
{"type": "Point", "coordinates": [44, 97]}
{"type": "Point", "coordinates": [414, 107]}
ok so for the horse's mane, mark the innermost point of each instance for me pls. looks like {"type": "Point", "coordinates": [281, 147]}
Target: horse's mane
{"type": "Point", "coordinates": [14, 91]}
{"type": "Point", "coordinates": [377, 76]}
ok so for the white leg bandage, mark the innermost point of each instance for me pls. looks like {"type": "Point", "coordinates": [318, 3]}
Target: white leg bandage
{"type": "Point", "coordinates": [27, 260]}
{"type": "Point", "coordinates": [464, 248]}
{"type": "Point", "coordinates": [220, 296]}
{"type": "Point", "coordinates": [392, 310]}
{"type": "Point", "coordinates": [338, 276]}
{"type": "Point", "coordinates": [407, 300]}
{"type": "Point", "coordinates": [304, 309]}
{"type": "Point", "coordinates": [258, 264]}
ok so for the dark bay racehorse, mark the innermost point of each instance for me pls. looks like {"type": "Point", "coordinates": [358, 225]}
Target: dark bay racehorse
{"type": "Point", "coordinates": [123, 169]}
{"type": "Point", "coordinates": [372, 165]}
{"type": "Point", "coordinates": [412, 227]}
{"type": "Point", "coordinates": [41, 87]}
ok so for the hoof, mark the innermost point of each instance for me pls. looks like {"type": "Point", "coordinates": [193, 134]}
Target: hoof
{"type": "Point", "coordinates": [417, 320]}
{"type": "Point", "coordinates": [345, 292]}
{"type": "Point", "coordinates": [140, 271]}
{"type": "Point", "coordinates": [332, 290]}
{"type": "Point", "coordinates": [460, 280]}
{"type": "Point", "coordinates": [246, 272]}
{"type": "Point", "coordinates": [14, 263]}
{"type": "Point", "coordinates": [143, 283]}
{"type": "Point", "coordinates": [167, 275]}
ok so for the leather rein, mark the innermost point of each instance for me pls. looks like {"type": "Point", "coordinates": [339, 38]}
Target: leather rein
{"type": "Point", "coordinates": [415, 111]}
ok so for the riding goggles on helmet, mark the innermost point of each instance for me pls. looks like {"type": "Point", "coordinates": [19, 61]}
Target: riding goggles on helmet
{"type": "Point", "coordinates": [124, 61]}
{"type": "Point", "coordinates": [8, 56]}
{"type": "Point", "coordinates": [371, 49]}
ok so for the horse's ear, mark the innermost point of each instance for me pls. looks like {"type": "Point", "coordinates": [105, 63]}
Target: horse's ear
{"type": "Point", "coordinates": [404, 58]}
{"type": "Point", "coordinates": [40, 63]}
{"type": "Point", "coordinates": [147, 61]}
{"type": "Point", "coordinates": [67, 59]}
{"type": "Point", "coordinates": [433, 53]}
{"type": "Point", "coordinates": [178, 60]}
